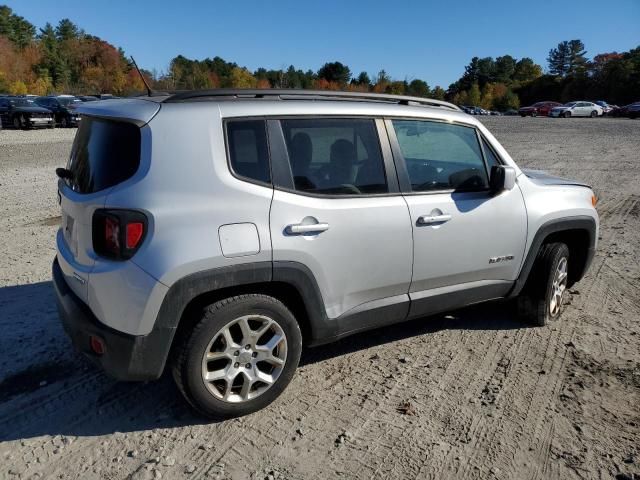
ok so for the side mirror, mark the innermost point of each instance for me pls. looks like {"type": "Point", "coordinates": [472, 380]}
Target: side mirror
{"type": "Point", "coordinates": [502, 178]}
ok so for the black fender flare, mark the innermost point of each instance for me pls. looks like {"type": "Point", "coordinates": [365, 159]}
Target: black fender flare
{"type": "Point", "coordinates": [581, 222]}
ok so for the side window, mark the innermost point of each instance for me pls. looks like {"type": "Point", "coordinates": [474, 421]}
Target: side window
{"type": "Point", "coordinates": [441, 156]}
{"type": "Point", "coordinates": [248, 151]}
{"type": "Point", "coordinates": [335, 156]}
{"type": "Point", "coordinates": [489, 155]}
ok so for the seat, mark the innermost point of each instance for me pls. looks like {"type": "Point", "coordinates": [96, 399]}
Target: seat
{"type": "Point", "coordinates": [341, 159]}
{"type": "Point", "coordinates": [300, 156]}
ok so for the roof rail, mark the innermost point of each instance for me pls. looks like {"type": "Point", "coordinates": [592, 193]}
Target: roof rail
{"type": "Point", "coordinates": [298, 94]}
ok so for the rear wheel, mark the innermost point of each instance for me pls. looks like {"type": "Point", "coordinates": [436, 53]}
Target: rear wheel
{"type": "Point", "coordinates": [239, 357]}
{"type": "Point", "coordinates": [542, 299]}
{"type": "Point", "coordinates": [594, 114]}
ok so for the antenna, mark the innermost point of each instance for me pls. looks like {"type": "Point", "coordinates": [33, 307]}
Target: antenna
{"type": "Point", "coordinates": [142, 77]}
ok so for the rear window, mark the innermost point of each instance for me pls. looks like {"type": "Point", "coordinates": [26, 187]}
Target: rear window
{"type": "Point", "coordinates": [104, 153]}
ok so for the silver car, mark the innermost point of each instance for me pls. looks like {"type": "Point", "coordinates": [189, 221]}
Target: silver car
{"type": "Point", "coordinates": [218, 232]}
{"type": "Point", "coordinates": [577, 109]}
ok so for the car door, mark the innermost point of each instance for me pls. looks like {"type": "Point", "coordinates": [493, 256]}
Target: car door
{"type": "Point", "coordinates": [4, 107]}
{"type": "Point", "coordinates": [584, 109]}
{"type": "Point", "coordinates": [468, 241]}
{"type": "Point", "coordinates": [338, 212]}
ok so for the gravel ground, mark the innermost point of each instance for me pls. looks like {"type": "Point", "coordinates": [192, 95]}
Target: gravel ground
{"type": "Point", "coordinates": [472, 394]}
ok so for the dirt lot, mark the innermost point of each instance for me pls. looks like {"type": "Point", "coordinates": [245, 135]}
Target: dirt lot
{"type": "Point", "coordinates": [484, 397]}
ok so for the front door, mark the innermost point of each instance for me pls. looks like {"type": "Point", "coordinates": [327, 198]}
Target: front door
{"type": "Point", "coordinates": [342, 217]}
{"type": "Point", "coordinates": [468, 242]}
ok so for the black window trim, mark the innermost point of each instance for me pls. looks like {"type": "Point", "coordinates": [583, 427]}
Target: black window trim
{"type": "Point", "coordinates": [403, 175]}
{"type": "Point", "coordinates": [279, 156]}
{"type": "Point", "coordinates": [235, 174]}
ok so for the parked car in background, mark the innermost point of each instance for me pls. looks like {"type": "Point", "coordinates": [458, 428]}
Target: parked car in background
{"type": "Point", "coordinates": [495, 113]}
{"type": "Point", "coordinates": [633, 110]}
{"type": "Point", "coordinates": [606, 108]}
{"type": "Point", "coordinates": [620, 111]}
{"type": "Point", "coordinates": [63, 108]}
{"type": "Point", "coordinates": [21, 112]}
{"type": "Point", "coordinates": [511, 113]}
{"type": "Point", "coordinates": [577, 109]}
{"type": "Point", "coordinates": [538, 109]}
{"type": "Point", "coordinates": [87, 98]}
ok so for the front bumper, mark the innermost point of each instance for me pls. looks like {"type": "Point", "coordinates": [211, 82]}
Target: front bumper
{"type": "Point", "coordinates": [40, 122]}
{"type": "Point", "coordinates": [127, 357]}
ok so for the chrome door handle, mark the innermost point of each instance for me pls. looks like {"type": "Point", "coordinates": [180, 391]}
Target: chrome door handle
{"type": "Point", "coordinates": [300, 228]}
{"type": "Point", "coordinates": [432, 219]}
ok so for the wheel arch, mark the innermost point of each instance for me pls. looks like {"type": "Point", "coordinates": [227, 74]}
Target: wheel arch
{"type": "Point", "coordinates": [578, 233]}
{"type": "Point", "coordinates": [290, 282]}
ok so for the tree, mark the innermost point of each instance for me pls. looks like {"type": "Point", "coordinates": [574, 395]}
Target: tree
{"type": "Point", "coordinates": [66, 30]}
{"type": "Point", "coordinates": [438, 93]}
{"type": "Point", "coordinates": [18, 30]}
{"type": "Point", "coordinates": [242, 78]}
{"type": "Point", "coordinates": [567, 58]}
{"type": "Point", "coordinates": [362, 79]}
{"type": "Point", "coordinates": [418, 88]}
{"type": "Point", "coordinates": [335, 72]}
{"type": "Point", "coordinates": [474, 95]}
{"type": "Point", "coordinates": [505, 67]}
{"type": "Point", "coordinates": [526, 70]}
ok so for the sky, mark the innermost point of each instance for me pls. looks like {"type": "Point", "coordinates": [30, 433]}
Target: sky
{"type": "Point", "coordinates": [429, 40]}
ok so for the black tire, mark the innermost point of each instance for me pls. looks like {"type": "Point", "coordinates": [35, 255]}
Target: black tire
{"type": "Point", "coordinates": [534, 114]}
{"type": "Point", "coordinates": [64, 123]}
{"type": "Point", "coordinates": [192, 347]}
{"type": "Point", "coordinates": [535, 301]}
{"type": "Point", "coordinates": [17, 122]}
{"type": "Point", "coordinates": [566, 114]}
{"type": "Point", "coordinates": [594, 114]}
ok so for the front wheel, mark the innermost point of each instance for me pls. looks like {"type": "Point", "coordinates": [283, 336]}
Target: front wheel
{"type": "Point", "coordinates": [239, 357]}
{"type": "Point", "coordinates": [566, 114]}
{"type": "Point", "coordinates": [17, 122]}
{"type": "Point", "coordinates": [542, 299]}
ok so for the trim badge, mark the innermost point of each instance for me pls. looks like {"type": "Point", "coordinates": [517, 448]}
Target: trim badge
{"type": "Point", "coordinates": [504, 258]}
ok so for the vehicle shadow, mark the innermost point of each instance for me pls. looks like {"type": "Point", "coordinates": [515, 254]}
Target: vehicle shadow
{"type": "Point", "coordinates": [46, 388]}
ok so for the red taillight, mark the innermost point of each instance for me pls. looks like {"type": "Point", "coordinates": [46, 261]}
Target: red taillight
{"type": "Point", "coordinates": [97, 345]}
{"type": "Point", "coordinates": [134, 234]}
{"type": "Point", "coordinates": [117, 234]}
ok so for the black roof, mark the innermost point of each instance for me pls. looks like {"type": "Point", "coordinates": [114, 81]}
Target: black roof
{"type": "Point", "coordinates": [298, 94]}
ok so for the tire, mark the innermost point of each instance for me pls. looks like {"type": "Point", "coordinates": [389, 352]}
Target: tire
{"type": "Point", "coordinates": [64, 123]}
{"type": "Point", "coordinates": [534, 114]}
{"type": "Point", "coordinates": [220, 398]}
{"type": "Point", "coordinates": [522, 115]}
{"type": "Point", "coordinates": [566, 114]}
{"type": "Point", "coordinates": [541, 300]}
{"type": "Point", "coordinates": [17, 122]}
{"type": "Point", "coordinates": [594, 114]}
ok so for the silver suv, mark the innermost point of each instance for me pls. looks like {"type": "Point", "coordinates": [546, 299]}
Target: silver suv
{"type": "Point", "coordinates": [218, 232]}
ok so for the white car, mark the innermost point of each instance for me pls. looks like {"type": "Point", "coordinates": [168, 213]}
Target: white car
{"type": "Point", "coordinates": [577, 109]}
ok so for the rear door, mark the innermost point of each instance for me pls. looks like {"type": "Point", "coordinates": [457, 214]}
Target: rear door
{"type": "Point", "coordinates": [104, 153]}
{"type": "Point", "coordinates": [468, 242]}
{"type": "Point", "coordinates": [337, 210]}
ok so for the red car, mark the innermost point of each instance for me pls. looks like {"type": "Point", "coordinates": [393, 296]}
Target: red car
{"type": "Point", "coordinates": [538, 108]}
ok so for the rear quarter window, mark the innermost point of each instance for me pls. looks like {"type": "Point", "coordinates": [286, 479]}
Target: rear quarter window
{"type": "Point", "coordinates": [104, 154]}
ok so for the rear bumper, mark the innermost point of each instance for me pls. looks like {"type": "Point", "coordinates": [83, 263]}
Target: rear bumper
{"type": "Point", "coordinates": [127, 357]}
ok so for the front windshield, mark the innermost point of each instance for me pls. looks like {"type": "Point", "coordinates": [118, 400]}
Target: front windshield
{"type": "Point", "coordinates": [23, 102]}
{"type": "Point", "coordinates": [69, 100]}
{"type": "Point", "coordinates": [539, 104]}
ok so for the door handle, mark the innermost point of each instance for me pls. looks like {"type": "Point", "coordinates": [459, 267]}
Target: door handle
{"type": "Point", "coordinates": [433, 219]}
{"type": "Point", "coordinates": [300, 228]}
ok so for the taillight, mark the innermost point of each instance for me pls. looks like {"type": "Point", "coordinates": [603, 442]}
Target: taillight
{"type": "Point", "coordinates": [118, 234]}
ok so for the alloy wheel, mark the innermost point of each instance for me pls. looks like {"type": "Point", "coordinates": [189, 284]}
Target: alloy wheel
{"type": "Point", "coordinates": [559, 286]}
{"type": "Point", "coordinates": [244, 359]}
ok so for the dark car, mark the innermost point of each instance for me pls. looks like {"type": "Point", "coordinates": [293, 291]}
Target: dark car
{"type": "Point", "coordinates": [538, 109]}
{"type": "Point", "coordinates": [63, 108]}
{"type": "Point", "coordinates": [622, 111]}
{"type": "Point", "coordinates": [633, 110]}
{"type": "Point", "coordinates": [87, 98]}
{"type": "Point", "coordinates": [22, 112]}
